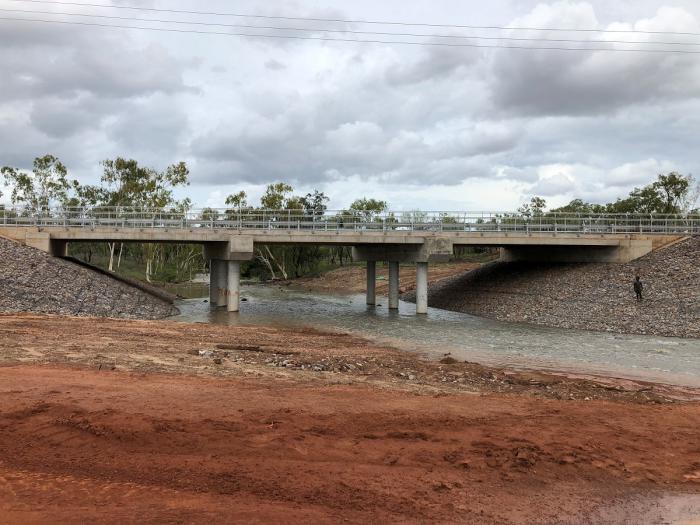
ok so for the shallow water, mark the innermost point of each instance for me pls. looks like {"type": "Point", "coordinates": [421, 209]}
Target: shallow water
{"type": "Point", "coordinates": [658, 359]}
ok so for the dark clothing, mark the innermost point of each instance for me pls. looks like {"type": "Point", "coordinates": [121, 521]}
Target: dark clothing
{"type": "Point", "coordinates": [638, 288]}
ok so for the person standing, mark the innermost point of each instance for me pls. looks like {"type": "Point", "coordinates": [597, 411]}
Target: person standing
{"type": "Point", "coordinates": [638, 288]}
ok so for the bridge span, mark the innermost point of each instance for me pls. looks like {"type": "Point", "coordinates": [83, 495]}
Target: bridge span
{"type": "Point", "coordinates": [231, 236]}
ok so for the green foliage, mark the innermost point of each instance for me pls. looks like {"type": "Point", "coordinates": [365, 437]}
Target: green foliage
{"type": "Point", "coordinates": [237, 200]}
{"type": "Point", "coordinates": [209, 214]}
{"type": "Point", "coordinates": [45, 186]}
{"type": "Point", "coordinates": [275, 196]}
{"type": "Point", "coordinates": [579, 206]}
{"type": "Point", "coordinates": [314, 204]}
{"type": "Point", "coordinates": [534, 208]}
{"type": "Point", "coordinates": [369, 207]}
{"type": "Point", "coordinates": [128, 184]}
{"type": "Point", "coordinates": [669, 194]}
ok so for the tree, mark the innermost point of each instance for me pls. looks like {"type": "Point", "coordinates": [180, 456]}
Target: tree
{"type": "Point", "coordinates": [674, 191]}
{"type": "Point", "coordinates": [237, 200]}
{"type": "Point", "coordinates": [534, 208]}
{"type": "Point", "coordinates": [580, 207]}
{"type": "Point", "coordinates": [209, 214]}
{"type": "Point", "coordinates": [368, 209]}
{"type": "Point", "coordinates": [134, 186]}
{"type": "Point", "coordinates": [46, 186]}
{"type": "Point", "coordinates": [669, 194]}
{"type": "Point", "coordinates": [275, 196]}
{"type": "Point", "coordinates": [129, 184]}
{"type": "Point", "coordinates": [314, 204]}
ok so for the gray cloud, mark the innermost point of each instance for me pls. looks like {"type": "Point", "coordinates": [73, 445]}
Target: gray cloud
{"type": "Point", "coordinates": [434, 64]}
{"type": "Point", "coordinates": [363, 118]}
{"type": "Point", "coordinates": [587, 83]}
{"type": "Point", "coordinates": [274, 65]}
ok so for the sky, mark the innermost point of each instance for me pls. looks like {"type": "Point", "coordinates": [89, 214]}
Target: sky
{"type": "Point", "coordinates": [422, 127]}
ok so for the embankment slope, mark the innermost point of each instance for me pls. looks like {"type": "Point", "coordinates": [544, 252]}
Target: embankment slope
{"type": "Point", "coordinates": [32, 281]}
{"type": "Point", "coordinates": [585, 296]}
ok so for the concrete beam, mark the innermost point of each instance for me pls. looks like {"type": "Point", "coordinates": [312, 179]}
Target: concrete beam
{"type": "Point", "coordinates": [422, 288]}
{"type": "Point", "coordinates": [431, 250]}
{"type": "Point", "coordinates": [393, 285]}
{"type": "Point", "coordinates": [369, 245]}
{"type": "Point", "coordinates": [371, 283]}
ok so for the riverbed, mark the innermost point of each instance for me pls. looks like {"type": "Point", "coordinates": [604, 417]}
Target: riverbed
{"type": "Point", "coordinates": [465, 337]}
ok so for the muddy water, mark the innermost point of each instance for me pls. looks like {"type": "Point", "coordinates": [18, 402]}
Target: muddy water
{"type": "Point", "coordinates": [659, 359]}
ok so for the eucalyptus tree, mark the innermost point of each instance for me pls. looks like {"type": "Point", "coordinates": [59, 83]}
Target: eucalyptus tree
{"type": "Point", "coordinates": [133, 190]}
{"type": "Point", "coordinates": [45, 186]}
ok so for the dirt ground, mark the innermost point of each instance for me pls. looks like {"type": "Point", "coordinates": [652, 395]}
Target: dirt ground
{"type": "Point", "coordinates": [149, 421]}
{"type": "Point", "coordinates": [353, 279]}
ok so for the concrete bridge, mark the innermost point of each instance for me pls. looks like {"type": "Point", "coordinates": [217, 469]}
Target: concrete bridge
{"type": "Point", "coordinates": [231, 236]}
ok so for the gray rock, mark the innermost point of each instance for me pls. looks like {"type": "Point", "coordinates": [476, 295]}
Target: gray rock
{"type": "Point", "coordinates": [33, 281]}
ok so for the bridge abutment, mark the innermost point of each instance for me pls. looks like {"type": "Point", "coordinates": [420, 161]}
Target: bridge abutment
{"type": "Point", "coordinates": [627, 250]}
{"type": "Point", "coordinates": [43, 241]}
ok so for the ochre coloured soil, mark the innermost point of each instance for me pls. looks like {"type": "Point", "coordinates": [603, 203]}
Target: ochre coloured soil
{"type": "Point", "coordinates": [353, 279]}
{"type": "Point", "coordinates": [119, 422]}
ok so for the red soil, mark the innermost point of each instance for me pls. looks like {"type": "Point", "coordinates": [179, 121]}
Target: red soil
{"type": "Point", "coordinates": [81, 445]}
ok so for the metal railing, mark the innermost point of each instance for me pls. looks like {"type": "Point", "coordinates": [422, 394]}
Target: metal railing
{"type": "Point", "coordinates": [344, 220]}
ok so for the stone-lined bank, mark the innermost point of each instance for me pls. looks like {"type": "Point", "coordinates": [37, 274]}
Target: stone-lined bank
{"type": "Point", "coordinates": [585, 296]}
{"type": "Point", "coordinates": [32, 281]}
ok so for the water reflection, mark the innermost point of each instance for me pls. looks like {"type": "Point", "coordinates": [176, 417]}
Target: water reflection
{"type": "Point", "coordinates": [669, 360]}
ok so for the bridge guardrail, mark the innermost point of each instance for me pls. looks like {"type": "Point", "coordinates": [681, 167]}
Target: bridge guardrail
{"type": "Point", "coordinates": [344, 220]}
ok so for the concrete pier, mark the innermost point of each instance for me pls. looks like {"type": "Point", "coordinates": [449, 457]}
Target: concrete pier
{"type": "Point", "coordinates": [213, 282]}
{"type": "Point", "coordinates": [371, 283]}
{"type": "Point", "coordinates": [234, 286]}
{"type": "Point", "coordinates": [393, 285]}
{"type": "Point", "coordinates": [221, 282]}
{"type": "Point", "coordinates": [422, 288]}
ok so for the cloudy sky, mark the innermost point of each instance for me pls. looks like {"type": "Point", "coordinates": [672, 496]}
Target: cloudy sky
{"type": "Point", "coordinates": [423, 127]}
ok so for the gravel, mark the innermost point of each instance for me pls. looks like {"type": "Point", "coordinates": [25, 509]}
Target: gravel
{"type": "Point", "coordinates": [585, 296]}
{"type": "Point", "coordinates": [33, 281]}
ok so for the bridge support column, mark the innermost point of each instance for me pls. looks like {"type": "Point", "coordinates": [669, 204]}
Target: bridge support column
{"type": "Point", "coordinates": [371, 283]}
{"type": "Point", "coordinates": [422, 288]}
{"type": "Point", "coordinates": [221, 282]}
{"type": "Point", "coordinates": [393, 285]}
{"type": "Point", "coordinates": [213, 282]}
{"type": "Point", "coordinates": [234, 286]}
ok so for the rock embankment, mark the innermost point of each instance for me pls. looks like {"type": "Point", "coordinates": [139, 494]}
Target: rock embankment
{"type": "Point", "coordinates": [585, 296]}
{"type": "Point", "coordinates": [32, 281]}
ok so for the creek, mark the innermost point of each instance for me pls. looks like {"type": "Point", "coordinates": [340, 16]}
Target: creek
{"type": "Point", "coordinates": [502, 344]}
